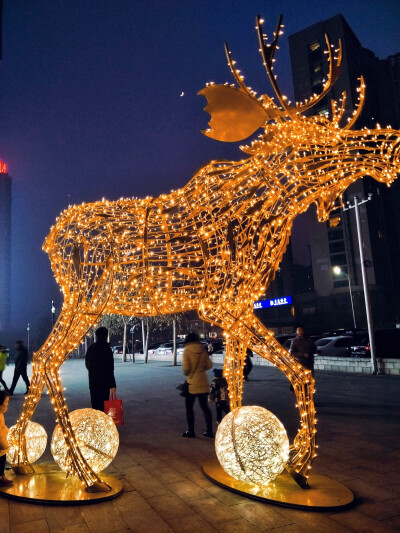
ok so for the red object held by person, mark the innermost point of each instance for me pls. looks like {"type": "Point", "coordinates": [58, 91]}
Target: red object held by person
{"type": "Point", "coordinates": [113, 408]}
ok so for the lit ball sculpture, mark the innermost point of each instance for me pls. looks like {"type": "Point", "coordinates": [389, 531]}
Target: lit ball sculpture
{"type": "Point", "coordinates": [97, 437]}
{"type": "Point", "coordinates": [252, 445]}
{"type": "Point", "coordinates": [36, 442]}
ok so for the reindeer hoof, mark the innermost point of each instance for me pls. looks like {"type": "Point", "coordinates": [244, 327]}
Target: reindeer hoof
{"type": "Point", "coordinates": [98, 486]}
{"type": "Point", "coordinates": [299, 479]}
{"type": "Point", "coordinates": [23, 470]}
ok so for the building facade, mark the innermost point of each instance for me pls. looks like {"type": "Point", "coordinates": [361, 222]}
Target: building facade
{"type": "Point", "coordinates": [5, 248]}
{"type": "Point", "coordinates": [335, 242]}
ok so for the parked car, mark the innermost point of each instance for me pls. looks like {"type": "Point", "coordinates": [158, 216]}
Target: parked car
{"type": "Point", "coordinates": [343, 332]}
{"type": "Point", "coordinates": [334, 346]}
{"type": "Point", "coordinates": [118, 350]}
{"type": "Point", "coordinates": [387, 344]}
{"type": "Point", "coordinates": [153, 346]}
{"type": "Point", "coordinates": [287, 342]}
{"type": "Point", "coordinates": [167, 348]}
{"type": "Point", "coordinates": [282, 339]}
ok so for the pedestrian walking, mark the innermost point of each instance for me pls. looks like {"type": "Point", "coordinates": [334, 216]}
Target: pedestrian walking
{"type": "Point", "coordinates": [3, 364]}
{"type": "Point", "coordinates": [303, 349]}
{"type": "Point", "coordinates": [4, 445]}
{"type": "Point", "coordinates": [210, 348]}
{"type": "Point", "coordinates": [195, 363]}
{"type": "Point", "coordinates": [99, 361]}
{"type": "Point", "coordinates": [219, 393]}
{"type": "Point", "coordinates": [248, 364]}
{"type": "Point", "coordinates": [21, 365]}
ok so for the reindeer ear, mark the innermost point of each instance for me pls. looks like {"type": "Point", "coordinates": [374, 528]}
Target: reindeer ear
{"type": "Point", "coordinates": [234, 114]}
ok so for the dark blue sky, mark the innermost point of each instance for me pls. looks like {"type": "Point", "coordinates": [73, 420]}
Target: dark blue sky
{"type": "Point", "coordinates": [90, 103]}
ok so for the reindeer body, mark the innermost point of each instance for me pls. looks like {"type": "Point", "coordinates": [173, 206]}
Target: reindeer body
{"type": "Point", "coordinates": [212, 246]}
{"type": "Point", "coordinates": [168, 265]}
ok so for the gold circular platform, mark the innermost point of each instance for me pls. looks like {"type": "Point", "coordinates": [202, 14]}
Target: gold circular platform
{"type": "Point", "coordinates": [48, 485]}
{"type": "Point", "coordinates": [324, 493]}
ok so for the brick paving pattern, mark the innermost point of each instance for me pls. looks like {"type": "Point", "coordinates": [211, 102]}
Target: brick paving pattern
{"type": "Point", "coordinates": [164, 488]}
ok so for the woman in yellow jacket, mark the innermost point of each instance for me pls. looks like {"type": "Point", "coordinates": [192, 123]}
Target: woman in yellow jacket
{"type": "Point", "coordinates": [195, 363]}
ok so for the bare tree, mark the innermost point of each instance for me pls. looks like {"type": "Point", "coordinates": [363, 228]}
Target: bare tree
{"type": "Point", "coordinates": [172, 321]}
{"type": "Point", "coordinates": [149, 324]}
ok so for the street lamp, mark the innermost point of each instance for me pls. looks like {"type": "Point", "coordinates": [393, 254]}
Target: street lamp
{"type": "Point", "coordinates": [337, 270]}
{"type": "Point", "coordinates": [133, 348]}
{"type": "Point", "coordinates": [363, 264]}
{"type": "Point", "coordinates": [53, 310]}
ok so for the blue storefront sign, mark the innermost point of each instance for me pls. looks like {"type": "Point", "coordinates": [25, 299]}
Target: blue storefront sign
{"type": "Point", "coordinates": [275, 302]}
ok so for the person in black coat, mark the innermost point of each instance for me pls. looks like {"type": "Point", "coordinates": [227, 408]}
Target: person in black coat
{"type": "Point", "coordinates": [21, 363]}
{"type": "Point", "coordinates": [303, 349]}
{"type": "Point", "coordinates": [99, 361]}
{"type": "Point", "coordinates": [248, 364]}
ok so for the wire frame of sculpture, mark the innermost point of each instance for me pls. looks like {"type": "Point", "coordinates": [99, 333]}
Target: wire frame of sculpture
{"type": "Point", "coordinates": [213, 245]}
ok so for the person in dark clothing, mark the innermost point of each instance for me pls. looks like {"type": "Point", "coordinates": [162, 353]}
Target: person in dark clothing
{"type": "Point", "coordinates": [248, 364]}
{"type": "Point", "coordinates": [99, 361]}
{"type": "Point", "coordinates": [21, 363]}
{"type": "Point", "coordinates": [303, 349]}
{"type": "Point", "coordinates": [219, 393]}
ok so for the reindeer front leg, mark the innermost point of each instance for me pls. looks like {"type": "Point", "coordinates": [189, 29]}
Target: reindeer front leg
{"type": "Point", "coordinates": [77, 463]}
{"type": "Point", "coordinates": [65, 336]}
{"type": "Point", "coordinates": [246, 330]}
{"type": "Point", "coordinates": [235, 352]}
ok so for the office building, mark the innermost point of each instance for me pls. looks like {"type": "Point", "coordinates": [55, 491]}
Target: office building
{"type": "Point", "coordinates": [5, 248]}
{"type": "Point", "coordinates": [335, 243]}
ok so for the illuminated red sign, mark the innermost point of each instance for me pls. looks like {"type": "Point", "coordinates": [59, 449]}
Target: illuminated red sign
{"type": "Point", "coordinates": [3, 167]}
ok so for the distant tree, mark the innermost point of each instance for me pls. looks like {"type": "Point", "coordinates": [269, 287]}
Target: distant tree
{"type": "Point", "coordinates": [112, 322]}
{"type": "Point", "coordinates": [149, 324]}
{"type": "Point", "coordinates": [173, 321]}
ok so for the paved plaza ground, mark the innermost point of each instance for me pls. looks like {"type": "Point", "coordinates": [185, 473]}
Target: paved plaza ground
{"type": "Point", "coordinates": [164, 488]}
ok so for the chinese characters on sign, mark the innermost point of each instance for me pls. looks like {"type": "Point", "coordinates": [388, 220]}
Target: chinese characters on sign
{"type": "Point", "coordinates": [3, 167]}
{"type": "Point", "coordinates": [262, 304]}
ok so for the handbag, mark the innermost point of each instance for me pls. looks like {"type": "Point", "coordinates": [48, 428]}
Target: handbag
{"type": "Point", "coordinates": [184, 387]}
{"type": "Point", "coordinates": [113, 408]}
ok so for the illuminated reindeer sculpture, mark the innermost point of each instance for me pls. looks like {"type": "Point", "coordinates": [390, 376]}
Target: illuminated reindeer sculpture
{"type": "Point", "coordinates": [213, 245]}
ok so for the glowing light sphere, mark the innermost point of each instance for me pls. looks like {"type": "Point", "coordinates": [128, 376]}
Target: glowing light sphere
{"type": "Point", "coordinates": [36, 442]}
{"type": "Point", "coordinates": [96, 435]}
{"type": "Point", "coordinates": [252, 445]}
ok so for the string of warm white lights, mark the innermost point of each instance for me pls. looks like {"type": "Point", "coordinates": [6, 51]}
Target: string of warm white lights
{"type": "Point", "coordinates": [213, 245]}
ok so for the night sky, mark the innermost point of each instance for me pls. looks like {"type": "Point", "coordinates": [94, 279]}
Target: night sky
{"type": "Point", "coordinates": [91, 105]}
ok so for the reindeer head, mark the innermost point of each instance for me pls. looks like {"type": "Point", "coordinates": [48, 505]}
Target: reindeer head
{"type": "Point", "coordinates": [314, 158]}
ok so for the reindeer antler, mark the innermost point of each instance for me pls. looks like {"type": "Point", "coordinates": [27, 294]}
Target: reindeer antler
{"type": "Point", "coordinates": [236, 73]}
{"type": "Point", "coordinates": [360, 105]}
{"type": "Point", "coordinates": [268, 53]}
{"type": "Point", "coordinates": [333, 74]}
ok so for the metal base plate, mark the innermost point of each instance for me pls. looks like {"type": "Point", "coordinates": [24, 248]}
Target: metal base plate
{"type": "Point", "coordinates": [48, 485]}
{"type": "Point", "coordinates": [324, 493]}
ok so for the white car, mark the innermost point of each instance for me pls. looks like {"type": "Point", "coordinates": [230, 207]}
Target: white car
{"type": "Point", "coordinates": [167, 348]}
{"type": "Point", "coordinates": [334, 346]}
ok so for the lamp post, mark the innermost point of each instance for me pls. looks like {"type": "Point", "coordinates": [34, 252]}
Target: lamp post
{"type": "Point", "coordinates": [53, 310]}
{"type": "Point", "coordinates": [363, 262]}
{"type": "Point", "coordinates": [133, 347]}
{"type": "Point", "coordinates": [337, 270]}
{"type": "Point", "coordinates": [28, 329]}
